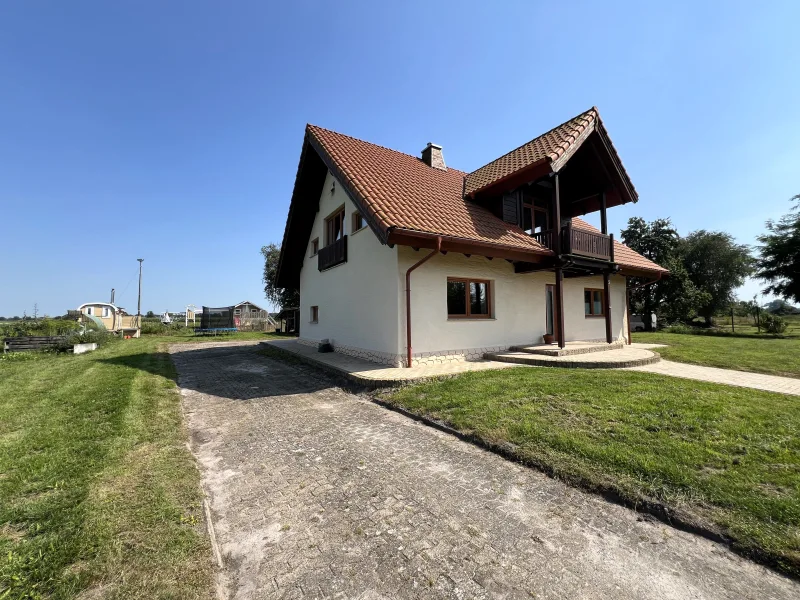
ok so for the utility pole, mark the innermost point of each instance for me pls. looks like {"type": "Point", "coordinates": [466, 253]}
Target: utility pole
{"type": "Point", "coordinates": [139, 304]}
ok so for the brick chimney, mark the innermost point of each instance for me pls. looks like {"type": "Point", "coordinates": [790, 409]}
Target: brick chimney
{"type": "Point", "coordinates": [432, 156]}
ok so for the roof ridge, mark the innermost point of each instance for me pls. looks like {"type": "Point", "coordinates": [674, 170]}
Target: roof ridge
{"type": "Point", "coordinates": [549, 131]}
{"type": "Point", "coordinates": [312, 126]}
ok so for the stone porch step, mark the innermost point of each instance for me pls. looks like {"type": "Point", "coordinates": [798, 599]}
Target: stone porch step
{"type": "Point", "coordinates": [618, 358]}
{"type": "Point", "coordinates": [571, 348]}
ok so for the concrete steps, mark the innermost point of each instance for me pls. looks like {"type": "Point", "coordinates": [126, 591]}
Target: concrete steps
{"type": "Point", "coordinates": [617, 358]}
{"type": "Point", "coordinates": [571, 348]}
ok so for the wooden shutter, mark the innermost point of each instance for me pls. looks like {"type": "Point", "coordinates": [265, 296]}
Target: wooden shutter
{"type": "Point", "coordinates": [511, 208]}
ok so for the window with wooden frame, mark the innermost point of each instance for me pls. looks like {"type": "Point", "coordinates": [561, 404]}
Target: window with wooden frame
{"type": "Point", "coordinates": [535, 215]}
{"type": "Point", "coordinates": [468, 298]}
{"type": "Point", "coordinates": [315, 314]}
{"type": "Point", "coordinates": [358, 222]}
{"type": "Point", "coordinates": [593, 303]}
{"type": "Point", "coordinates": [334, 227]}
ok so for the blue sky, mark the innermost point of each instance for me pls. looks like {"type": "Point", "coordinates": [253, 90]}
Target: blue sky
{"type": "Point", "coordinates": [171, 131]}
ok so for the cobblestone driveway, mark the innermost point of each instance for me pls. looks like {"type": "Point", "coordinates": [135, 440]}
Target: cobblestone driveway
{"type": "Point", "coordinates": [317, 493]}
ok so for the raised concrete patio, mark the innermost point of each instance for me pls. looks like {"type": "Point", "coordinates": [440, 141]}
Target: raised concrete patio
{"type": "Point", "coordinates": [370, 374]}
{"type": "Point", "coordinates": [618, 357]}
{"type": "Point", "coordinates": [570, 348]}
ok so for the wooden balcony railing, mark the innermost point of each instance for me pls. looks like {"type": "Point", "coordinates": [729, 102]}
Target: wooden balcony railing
{"type": "Point", "coordinates": [332, 254]}
{"type": "Point", "coordinates": [546, 238]}
{"type": "Point", "coordinates": [579, 242]}
{"type": "Point", "coordinates": [586, 243]}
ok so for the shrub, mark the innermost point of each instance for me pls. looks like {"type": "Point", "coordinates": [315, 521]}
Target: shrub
{"type": "Point", "coordinates": [773, 324]}
{"type": "Point", "coordinates": [161, 329]}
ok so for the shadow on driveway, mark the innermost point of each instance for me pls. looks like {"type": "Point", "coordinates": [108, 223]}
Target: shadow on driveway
{"type": "Point", "coordinates": [229, 371]}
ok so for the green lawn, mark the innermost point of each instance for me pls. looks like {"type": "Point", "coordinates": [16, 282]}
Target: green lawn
{"type": "Point", "coordinates": [98, 490]}
{"type": "Point", "coordinates": [727, 457]}
{"type": "Point", "coordinates": [755, 354]}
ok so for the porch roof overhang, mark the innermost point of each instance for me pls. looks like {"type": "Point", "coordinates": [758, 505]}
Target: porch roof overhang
{"type": "Point", "coordinates": [421, 239]}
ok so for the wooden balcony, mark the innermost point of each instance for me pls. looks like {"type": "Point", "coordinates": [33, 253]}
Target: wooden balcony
{"type": "Point", "coordinates": [332, 254]}
{"type": "Point", "coordinates": [578, 242]}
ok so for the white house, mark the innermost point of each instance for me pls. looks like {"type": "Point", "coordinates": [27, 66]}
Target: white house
{"type": "Point", "coordinates": [402, 260]}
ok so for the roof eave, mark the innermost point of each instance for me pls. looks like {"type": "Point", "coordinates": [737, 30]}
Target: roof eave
{"type": "Point", "coordinates": [425, 239]}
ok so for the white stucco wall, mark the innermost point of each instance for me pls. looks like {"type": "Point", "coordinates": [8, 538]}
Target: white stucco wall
{"type": "Point", "coordinates": [518, 305]}
{"type": "Point", "coordinates": [358, 300]}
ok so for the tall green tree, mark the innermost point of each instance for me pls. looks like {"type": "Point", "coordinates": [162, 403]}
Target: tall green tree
{"type": "Point", "coordinates": [674, 298]}
{"type": "Point", "coordinates": [779, 260]}
{"type": "Point", "coordinates": [716, 265]}
{"type": "Point", "coordinates": [278, 296]}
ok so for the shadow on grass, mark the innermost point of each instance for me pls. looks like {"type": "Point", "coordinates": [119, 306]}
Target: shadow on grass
{"type": "Point", "coordinates": [234, 372]}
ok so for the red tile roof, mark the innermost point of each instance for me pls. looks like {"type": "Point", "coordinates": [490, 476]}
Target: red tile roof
{"type": "Point", "coordinates": [555, 147]}
{"type": "Point", "coordinates": [623, 255]}
{"type": "Point", "coordinates": [401, 191]}
{"type": "Point", "coordinates": [397, 191]}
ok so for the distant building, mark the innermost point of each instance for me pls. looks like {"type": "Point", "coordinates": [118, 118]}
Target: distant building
{"type": "Point", "coordinates": [111, 317]}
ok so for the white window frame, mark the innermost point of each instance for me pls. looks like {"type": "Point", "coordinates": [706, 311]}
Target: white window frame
{"type": "Point", "coordinates": [106, 312]}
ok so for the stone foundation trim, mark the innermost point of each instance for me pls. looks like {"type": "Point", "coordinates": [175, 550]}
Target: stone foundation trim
{"type": "Point", "coordinates": [419, 359]}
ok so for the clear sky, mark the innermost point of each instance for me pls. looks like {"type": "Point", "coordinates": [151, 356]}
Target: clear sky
{"type": "Point", "coordinates": [171, 131]}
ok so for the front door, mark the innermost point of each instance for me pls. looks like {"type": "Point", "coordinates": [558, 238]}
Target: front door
{"type": "Point", "coordinates": [551, 311]}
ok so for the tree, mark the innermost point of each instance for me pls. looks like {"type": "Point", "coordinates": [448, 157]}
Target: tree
{"type": "Point", "coordinates": [282, 297]}
{"type": "Point", "coordinates": [674, 298]}
{"type": "Point", "coordinates": [716, 265]}
{"type": "Point", "coordinates": [779, 260]}
{"type": "Point", "coordinates": [780, 307]}
{"type": "Point", "coordinates": [150, 314]}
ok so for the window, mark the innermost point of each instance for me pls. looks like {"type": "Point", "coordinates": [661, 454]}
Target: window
{"type": "Point", "coordinates": [106, 312]}
{"type": "Point", "coordinates": [314, 246]}
{"type": "Point", "coordinates": [535, 215]}
{"type": "Point", "coordinates": [358, 222]}
{"type": "Point", "coordinates": [468, 298]}
{"type": "Point", "coordinates": [593, 303]}
{"type": "Point", "coordinates": [315, 314]}
{"type": "Point", "coordinates": [89, 310]}
{"type": "Point", "coordinates": [334, 227]}
{"type": "Point", "coordinates": [237, 311]}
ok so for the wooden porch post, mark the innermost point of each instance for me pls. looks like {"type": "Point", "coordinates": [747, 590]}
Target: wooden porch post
{"type": "Point", "coordinates": [560, 304]}
{"type": "Point", "coordinates": [607, 302]}
{"type": "Point", "coordinates": [559, 271]}
{"type": "Point", "coordinates": [603, 220]}
{"type": "Point", "coordinates": [607, 281]}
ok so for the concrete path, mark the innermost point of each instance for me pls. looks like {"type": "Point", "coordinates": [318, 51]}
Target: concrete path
{"type": "Point", "coordinates": [317, 493]}
{"type": "Point", "coordinates": [756, 381]}
{"type": "Point", "coordinates": [370, 374]}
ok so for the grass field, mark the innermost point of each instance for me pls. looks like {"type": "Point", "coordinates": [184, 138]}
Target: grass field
{"type": "Point", "coordinates": [745, 326]}
{"type": "Point", "coordinates": [98, 491]}
{"type": "Point", "coordinates": [728, 457]}
{"type": "Point", "coordinates": [769, 355]}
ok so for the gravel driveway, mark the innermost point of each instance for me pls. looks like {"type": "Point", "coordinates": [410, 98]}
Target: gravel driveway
{"type": "Point", "coordinates": [318, 493]}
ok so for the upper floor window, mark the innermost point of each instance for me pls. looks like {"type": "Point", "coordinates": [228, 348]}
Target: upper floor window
{"type": "Point", "coordinates": [106, 312]}
{"type": "Point", "coordinates": [358, 222]}
{"type": "Point", "coordinates": [334, 227]}
{"type": "Point", "coordinates": [89, 310]}
{"type": "Point", "coordinates": [593, 303]}
{"type": "Point", "coordinates": [314, 246]}
{"type": "Point", "coordinates": [468, 298]}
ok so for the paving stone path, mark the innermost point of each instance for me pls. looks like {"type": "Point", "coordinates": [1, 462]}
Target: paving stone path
{"type": "Point", "coordinates": [318, 493]}
{"type": "Point", "coordinates": [756, 381]}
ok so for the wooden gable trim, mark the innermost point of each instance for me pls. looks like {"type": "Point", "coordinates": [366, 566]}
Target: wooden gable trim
{"type": "Point", "coordinates": [558, 164]}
